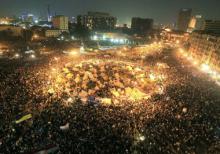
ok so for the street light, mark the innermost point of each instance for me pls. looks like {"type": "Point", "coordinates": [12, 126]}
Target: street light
{"type": "Point", "coordinates": [17, 55]}
{"type": "Point", "coordinates": [35, 36]}
{"type": "Point", "coordinates": [33, 56]}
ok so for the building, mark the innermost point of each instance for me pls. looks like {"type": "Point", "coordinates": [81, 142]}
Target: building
{"type": "Point", "coordinates": [184, 19]}
{"type": "Point", "coordinates": [53, 33]}
{"type": "Point", "coordinates": [196, 23]}
{"type": "Point", "coordinates": [6, 21]}
{"type": "Point", "coordinates": [14, 30]}
{"type": "Point", "coordinates": [98, 21]}
{"type": "Point", "coordinates": [60, 22]}
{"type": "Point", "coordinates": [205, 46]}
{"type": "Point", "coordinates": [27, 17]}
{"type": "Point", "coordinates": [141, 26]}
{"type": "Point", "coordinates": [178, 37]}
{"type": "Point", "coordinates": [212, 26]}
{"type": "Point", "coordinates": [30, 18]}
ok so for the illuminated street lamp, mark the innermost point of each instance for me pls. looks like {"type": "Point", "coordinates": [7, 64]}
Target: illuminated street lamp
{"type": "Point", "coordinates": [95, 37]}
{"type": "Point", "coordinates": [17, 55]}
{"type": "Point", "coordinates": [33, 56]}
{"type": "Point", "coordinates": [35, 36]}
{"type": "Point", "coordinates": [177, 41]}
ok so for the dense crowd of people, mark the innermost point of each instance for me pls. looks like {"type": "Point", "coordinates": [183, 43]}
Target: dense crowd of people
{"type": "Point", "coordinates": [181, 118]}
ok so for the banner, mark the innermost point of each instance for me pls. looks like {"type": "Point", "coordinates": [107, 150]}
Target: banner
{"type": "Point", "coordinates": [26, 117]}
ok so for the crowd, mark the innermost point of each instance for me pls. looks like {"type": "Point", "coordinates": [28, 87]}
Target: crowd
{"type": "Point", "coordinates": [182, 118]}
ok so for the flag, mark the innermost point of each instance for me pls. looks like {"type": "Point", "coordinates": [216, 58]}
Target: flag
{"type": "Point", "coordinates": [65, 127]}
{"type": "Point", "coordinates": [48, 150]}
{"type": "Point", "coordinates": [26, 117]}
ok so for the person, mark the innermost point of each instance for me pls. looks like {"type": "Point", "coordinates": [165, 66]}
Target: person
{"type": "Point", "coordinates": [91, 100]}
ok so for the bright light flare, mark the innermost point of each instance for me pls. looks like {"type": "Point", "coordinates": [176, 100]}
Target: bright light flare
{"type": "Point", "coordinates": [82, 49]}
{"type": "Point", "coordinates": [177, 41]}
{"type": "Point", "coordinates": [181, 50]}
{"type": "Point", "coordinates": [195, 62]}
{"type": "Point", "coordinates": [32, 56]}
{"type": "Point", "coordinates": [205, 68]}
{"type": "Point", "coordinates": [73, 53]}
{"type": "Point", "coordinates": [17, 55]}
{"type": "Point", "coordinates": [56, 59]}
{"type": "Point", "coordinates": [35, 36]}
{"type": "Point", "coordinates": [152, 77]}
{"type": "Point", "coordinates": [168, 29]}
{"type": "Point", "coordinates": [185, 54]}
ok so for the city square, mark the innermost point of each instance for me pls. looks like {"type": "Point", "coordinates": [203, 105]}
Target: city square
{"type": "Point", "coordinates": [130, 80]}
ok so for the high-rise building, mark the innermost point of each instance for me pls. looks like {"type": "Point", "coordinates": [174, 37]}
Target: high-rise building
{"type": "Point", "coordinates": [141, 26]}
{"type": "Point", "coordinates": [97, 21]}
{"type": "Point", "coordinates": [30, 18]}
{"type": "Point", "coordinates": [212, 26]}
{"type": "Point", "coordinates": [184, 19]}
{"type": "Point", "coordinates": [196, 23]}
{"type": "Point", "coordinates": [60, 22]}
{"type": "Point", "coordinates": [27, 17]}
{"type": "Point", "coordinates": [6, 21]}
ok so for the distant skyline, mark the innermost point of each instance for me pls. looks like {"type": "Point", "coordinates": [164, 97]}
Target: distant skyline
{"type": "Point", "coordinates": [162, 11]}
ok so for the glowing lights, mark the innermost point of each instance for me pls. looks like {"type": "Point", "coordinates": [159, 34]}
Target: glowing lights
{"type": "Point", "coordinates": [35, 36]}
{"type": "Point", "coordinates": [56, 59]}
{"type": "Point", "coordinates": [185, 54]}
{"type": "Point", "coordinates": [36, 21]}
{"type": "Point", "coordinates": [133, 89]}
{"type": "Point", "coordinates": [177, 41]}
{"type": "Point", "coordinates": [125, 48]}
{"type": "Point", "coordinates": [73, 53]}
{"type": "Point", "coordinates": [69, 100]}
{"type": "Point", "coordinates": [104, 37]}
{"type": "Point", "coordinates": [32, 56]}
{"type": "Point", "coordinates": [195, 62]}
{"type": "Point", "coordinates": [82, 49]}
{"type": "Point", "coordinates": [16, 55]}
{"type": "Point", "coordinates": [205, 68]}
{"type": "Point", "coordinates": [139, 137]}
{"type": "Point", "coordinates": [168, 29]}
{"type": "Point", "coordinates": [95, 37]}
{"type": "Point", "coordinates": [142, 138]}
{"type": "Point", "coordinates": [152, 77]}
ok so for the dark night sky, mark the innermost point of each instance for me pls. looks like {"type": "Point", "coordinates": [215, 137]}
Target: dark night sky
{"type": "Point", "coordinates": [163, 11]}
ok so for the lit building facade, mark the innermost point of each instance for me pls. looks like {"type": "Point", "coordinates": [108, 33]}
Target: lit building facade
{"type": "Point", "coordinates": [184, 19]}
{"type": "Point", "coordinates": [53, 33]}
{"type": "Point", "coordinates": [141, 26]}
{"type": "Point", "coordinates": [60, 22]}
{"type": "Point", "coordinates": [6, 21]}
{"type": "Point", "coordinates": [15, 30]}
{"type": "Point", "coordinates": [98, 21]}
{"type": "Point", "coordinates": [196, 23]}
{"type": "Point", "coordinates": [206, 47]}
{"type": "Point", "coordinates": [178, 37]}
{"type": "Point", "coordinates": [212, 26]}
